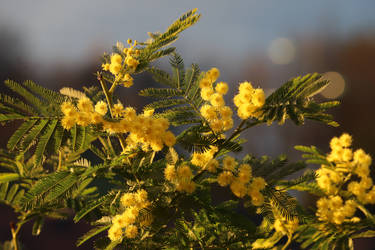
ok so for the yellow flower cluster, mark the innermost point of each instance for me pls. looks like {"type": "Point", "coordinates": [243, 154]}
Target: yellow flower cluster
{"type": "Point", "coordinates": [215, 112]}
{"type": "Point", "coordinates": [332, 179]}
{"type": "Point", "coordinates": [205, 160]}
{"type": "Point", "coordinates": [121, 63]}
{"type": "Point", "coordinates": [334, 210]}
{"type": "Point", "coordinates": [124, 223]}
{"type": "Point", "coordinates": [249, 101]}
{"type": "Point", "coordinates": [182, 177]}
{"type": "Point", "coordinates": [242, 184]}
{"type": "Point", "coordinates": [144, 130]}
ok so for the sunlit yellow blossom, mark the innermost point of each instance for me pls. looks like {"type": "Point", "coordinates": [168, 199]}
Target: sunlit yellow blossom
{"type": "Point", "coordinates": [217, 100]}
{"type": "Point", "coordinates": [225, 178]}
{"type": "Point", "coordinates": [238, 188]}
{"type": "Point", "coordinates": [67, 108]}
{"type": "Point", "coordinates": [225, 112]}
{"type": "Point", "coordinates": [96, 118]}
{"type": "Point", "coordinates": [190, 187]}
{"type": "Point", "coordinates": [345, 140]}
{"type": "Point", "coordinates": [120, 220]}
{"type": "Point", "coordinates": [229, 163]}
{"type": "Point", "coordinates": [115, 233]}
{"type": "Point", "coordinates": [258, 97]}
{"type": "Point", "coordinates": [131, 62]}
{"type": "Point", "coordinates": [216, 125]}
{"type": "Point", "coordinates": [213, 74]}
{"type": "Point", "coordinates": [205, 83]}
{"type": "Point", "coordinates": [85, 105]}
{"type": "Point", "coordinates": [128, 80]}
{"type": "Point", "coordinates": [206, 93]}
{"type": "Point", "coordinates": [117, 110]}
{"type": "Point", "coordinates": [221, 88]}
{"type": "Point", "coordinates": [208, 112]}
{"type": "Point", "coordinates": [257, 198]}
{"type": "Point", "coordinates": [244, 174]}
{"type": "Point", "coordinates": [127, 200]}
{"type": "Point", "coordinates": [169, 139]}
{"type": "Point", "coordinates": [105, 66]}
{"type": "Point", "coordinates": [212, 165]}
{"type": "Point", "coordinates": [245, 86]}
{"type": "Point", "coordinates": [258, 183]}
{"type": "Point", "coordinates": [227, 124]}
{"type": "Point", "coordinates": [68, 122]}
{"type": "Point", "coordinates": [131, 231]}
{"type": "Point", "coordinates": [170, 172]}
{"type": "Point", "coordinates": [184, 172]}
{"type": "Point", "coordinates": [101, 108]}
{"type": "Point", "coordinates": [115, 68]}
{"type": "Point", "coordinates": [83, 119]}
{"type": "Point", "coordinates": [116, 59]}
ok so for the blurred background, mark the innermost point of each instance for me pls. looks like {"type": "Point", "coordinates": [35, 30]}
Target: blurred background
{"type": "Point", "coordinates": [60, 44]}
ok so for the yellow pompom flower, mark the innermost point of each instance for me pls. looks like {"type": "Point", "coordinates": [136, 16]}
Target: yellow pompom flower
{"type": "Point", "coordinates": [131, 62]}
{"type": "Point", "coordinates": [141, 196]}
{"type": "Point", "coordinates": [128, 81]}
{"type": "Point", "coordinates": [101, 108]}
{"type": "Point", "coordinates": [115, 233]}
{"type": "Point", "coordinates": [245, 86]}
{"type": "Point", "coordinates": [127, 200]}
{"type": "Point", "coordinates": [85, 105]}
{"type": "Point", "coordinates": [212, 166]}
{"type": "Point", "coordinates": [238, 188]}
{"type": "Point", "coordinates": [259, 183]}
{"type": "Point", "coordinates": [216, 125]}
{"type": "Point", "coordinates": [67, 108]}
{"type": "Point", "coordinates": [221, 88]}
{"type": "Point", "coordinates": [205, 83]}
{"type": "Point", "coordinates": [170, 172]}
{"type": "Point", "coordinates": [225, 112]}
{"type": "Point", "coordinates": [131, 231]}
{"type": "Point", "coordinates": [190, 187]}
{"type": "Point", "coordinates": [258, 98]}
{"type": "Point", "coordinates": [227, 124]}
{"type": "Point", "coordinates": [184, 172]}
{"type": "Point", "coordinates": [117, 110]}
{"type": "Point", "coordinates": [148, 112]}
{"type": "Point", "coordinates": [83, 119]}
{"type": "Point", "coordinates": [345, 140]}
{"type": "Point", "coordinates": [115, 68]}
{"type": "Point", "coordinates": [225, 178]}
{"type": "Point", "coordinates": [116, 59]}
{"type": "Point", "coordinates": [257, 198]}
{"type": "Point", "coordinates": [208, 112]}
{"type": "Point", "coordinates": [105, 66]}
{"type": "Point", "coordinates": [206, 93]}
{"type": "Point", "coordinates": [169, 139]}
{"type": "Point", "coordinates": [68, 122]}
{"type": "Point", "coordinates": [213, 74]}
{"type": "Point", "coordinates": [229, 163]}
{"type": "Point", "coordinates": [217, 100]}
{"type": "Point", "coordinates": [120, 221]}
{"type": "Point", "coordinates": [244, 174]}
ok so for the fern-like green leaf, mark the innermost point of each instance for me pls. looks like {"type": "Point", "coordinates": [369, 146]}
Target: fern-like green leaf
{"type": "Point", "coordinates": [43, 141]}
{"type": "Point", "coordinates": [93, 232]}
{"type": "Point", "coordinates": [17, 136]}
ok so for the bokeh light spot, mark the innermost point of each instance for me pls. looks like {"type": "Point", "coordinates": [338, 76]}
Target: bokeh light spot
{"type": "Point", "coordinates": [336, 87]}
{"type": "Point", "coordinates": [281, 51]}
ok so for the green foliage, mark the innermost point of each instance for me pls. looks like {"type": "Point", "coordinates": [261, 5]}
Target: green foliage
{"type": "Point", "coordinates": [294, 100]}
